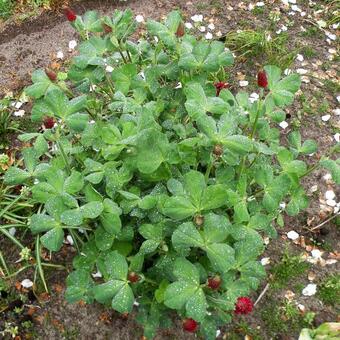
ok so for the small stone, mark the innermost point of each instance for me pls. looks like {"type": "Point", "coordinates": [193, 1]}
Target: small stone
{"type": "Point", "coordinates": [309, 290]}
{"type": "Point", "coordinates": [60, 55]}
{"type": "Point", "coordinates": [293, 235]}
{"type": "Point", "coordinates": [265, 261]}
{"type": "Point", "coordinates": [139, 18]}
{"type": "Point", "coordinates": [109, 69]}
{"type": "Point", "coordinates": [326, 118]}
{"type": "Point", "coordinates": [243, 83]}
{"type": "Point", "coordinates": [283, 125]}
{"type": "Point", "coordinates": [329, 194]}
{"type": "Point", "coordinates": [72, 45]}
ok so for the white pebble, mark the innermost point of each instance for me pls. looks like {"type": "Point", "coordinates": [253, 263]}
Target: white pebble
{"type": "Point", "coordinates": [19, 113]}
{"type": "Point", "coordinates": [208, 36]}
{"type": "Point", "coordinates": [139, 18]}
{"type": "Point", "coordinates": [284, 125]}
{"type": "Point", "coordinates": [293, 235]}
{"type": "Point", "coordinates": [299, 57]}
{"type": "Point", "coordinates": [331, 203]}
{"type": "Point", "coordinates": [243, 83]}
{"type": "Point", "coordinates": [309, 290]}
{"type": "Point", "coordinates": [72, 45]}
{"type": "Point", "coordinates": [316, 253]}
{"type": "Point", "coordinates": [109, 69]}
{"type": "Point", "coordinates": [12, 231]}
{"type": "Point", "coordinates": [201, 29]}
{"type": "Point", "coordinates": [265, 261]}
{"type": "Point", "coordinates": [329, 194]}
{"type": "Point", "coordinates": [326, 118]}
{"type": "Point", "coordinates": [301, 71]}
{"type": "Point", "coordinates": [211, 26]}
{"type": "Point", "coordinates": [60, 55]}
{"type": "Point", "coordinates": [188, 25]}
{"type": "Point", "coordinates": [70, 240]}
{"type": "Point", "coordinates": [197, 18]}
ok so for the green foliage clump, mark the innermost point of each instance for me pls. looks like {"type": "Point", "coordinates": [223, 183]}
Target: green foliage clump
{"type": "Point", "coordinates": [329, 290]}
{"type": "Point", "coordinates": [161, 181]}
{"type": "Point", "coordinates": [6, 8]}
{"type": "Point", "coordinates": [288, 268]}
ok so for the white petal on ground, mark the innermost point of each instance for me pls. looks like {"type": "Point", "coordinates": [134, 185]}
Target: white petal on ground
{"type": "Point", "coordinates": [197, 18]}
{"type": "Point", "coordinates": [329, 194]}
{"type": "Point", "coordinates": [188, 25]}
{"type": "Point", "coordinates": [243, 83]}
{"type": "Point", "coordinates": [208, 36]}
{"type": "Point", "coordinates": [331, 36]}
{"type": "Point", "coordinates": [287, 71]}
{"type": "Point", "coordinates": [218, 333]}
{"type": "Point", "coordinates": [316, 253]}
{"type": "Point", "coordinates": [313, 188]}
{"type": "Point", "coordinates": [301, 71]}
{"type": "Point", "coordinates": [139, 18]}
{"type": "Point", "coordinates": [18, 105]}
{"type": "Point", "coordinates": [60, 55]}
{"type": "Point", "coordinates": [299, 57]}
{"type": "Point", "coordinates": [109, 69]}
{"type": "Point", "coordinates": [309, 290]}
{"type": "Point", "coordinates": [282, 205]}
{"type": "Point", "coordinates": [72, 45]}
{"type": "Point", "coordinates": [179, 85]}
{"type": "Point", "coordinates": [98, 274]}
{"type": "Point", "coordinates": [331, 203]}
{"type": "Point", "coordinates": [292, 235]}
{"type": "Point", "coordinates": [27, 283]}
{"type": "Point", "coordinates": [284, 125]}
{"type": "Point", "coordinates": [326, 118]}
{"type": "Point", "coordinates": [12, 231]}
{"type": "Point", "coordinates": [254, 97]}
{"type": "Point", "coordinates": [70, 240]}
{"type": "Point", "coordinates": [265, 261]}
{"type": "Point", "coordinates": [19, 113]}
{"type": "Point", "coordinates": [327, 177]}
{"type": "Point", "coordinates": [211, 26]}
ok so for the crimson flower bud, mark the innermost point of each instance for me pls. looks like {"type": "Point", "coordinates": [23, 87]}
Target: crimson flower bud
{"type": "Point", "coordinates": [180, 30]}
{"type": "Point", "coordinates": [133, 277]}
{"type": "Point", "coordinates": [70, 15]}
{"type": "Point", "coordinates": [51, 74]}
{"type": "Point", "coordinates": [107, 28]}
{"type": "Point", "coordinates": [220, 86]}
{"type": "Point", "coordinates": [243, 305]}
{"type": "Point", "coordinates": [262, 80]}
{"type": "Point", "coordinates": [214, 282]}
{"type": "Point", "coordinates": [49, 122]}
{"type": "Point", "coordinates": [190, 325]}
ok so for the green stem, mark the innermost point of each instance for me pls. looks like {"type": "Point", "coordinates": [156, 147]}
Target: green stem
{"type": "Point", "coordinates": [63, 155]}
{"type": "Point", "coordinates": [12, 238]}
{"type": "Point", "coordinates": [39, 265]}
{"type": "Point", "coordinates": [3, 262]}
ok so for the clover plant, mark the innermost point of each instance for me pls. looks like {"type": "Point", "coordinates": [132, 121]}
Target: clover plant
{"type": "Point", "coordinates": [166, 182]}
